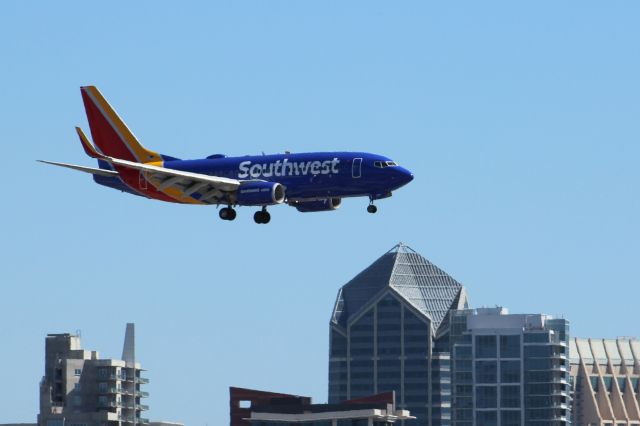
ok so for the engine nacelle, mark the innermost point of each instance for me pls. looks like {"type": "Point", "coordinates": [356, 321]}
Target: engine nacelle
{"type": "Point", "coordinates": [260, 193]}
{"type": "Point", "coordinates": [327, 204]}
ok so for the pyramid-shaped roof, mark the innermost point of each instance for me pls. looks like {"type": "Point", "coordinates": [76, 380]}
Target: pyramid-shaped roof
{"type": "Point", "coordinates": [422, 284]}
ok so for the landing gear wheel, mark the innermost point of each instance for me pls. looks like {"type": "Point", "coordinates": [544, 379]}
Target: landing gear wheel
{"type": "Point", "coordinates": [227, 213]}
{"type": "Point", "coordinates": [262, 217]}
{"type": "Point", "coordinates": [371, 208]}
{"type": "Point", "coordinates": [266, 217]}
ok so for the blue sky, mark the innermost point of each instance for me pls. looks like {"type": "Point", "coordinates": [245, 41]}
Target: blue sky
{"type": "Point", "coordinates": [519, 120]}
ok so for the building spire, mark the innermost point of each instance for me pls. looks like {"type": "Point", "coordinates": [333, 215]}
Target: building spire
{"type": "Point", "coordinates": [129, 349]}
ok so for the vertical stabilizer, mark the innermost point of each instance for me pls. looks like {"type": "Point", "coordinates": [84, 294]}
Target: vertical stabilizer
{"type": "Point", "coordinates": [129, 349]}
{"type": "Point", "coordinates": [110, 134]}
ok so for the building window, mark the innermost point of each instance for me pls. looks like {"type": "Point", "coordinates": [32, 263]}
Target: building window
{"type": "Point", "coordinates": [538, 351]}
{"type": "Point", "coordinates": [486, 397]}
{"type": "Point", "coordinates": [338, 344]}
{"type": "Point", "coordinates": [510, 371]}
{"type": "Point", "coordinates": [77, 372]}
{"type": "Point", "coordinates": [621, 383]}
{"type": "Point", "coordinates": [487, 418]}
{"type": "Point", "coordinates": [76, 386]}
{"type": "Point", "coordinates": [536, 337]}
{"type": "Point", "coordinates": [463, 351]}
{"type": "Point", "coordinates": [486, 372]}
{"type": "Point", "coordinates": [486, 347]}
{"type": "Point", "coordinates": [510, 418]}
{"type": "Point", "coordinates": [77, 400]}
{"type": "Point", "coordinates": [510, 396]}
{"type": "Point", "coordinates": [607, 382]}
{"type": "Point", "coordinates": [102, 387]}
{"type": "Point", "coordinates": [510, 346]}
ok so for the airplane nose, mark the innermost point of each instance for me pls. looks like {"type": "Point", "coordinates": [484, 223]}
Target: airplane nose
{"type": "Point", "coordinates": [405, 176]}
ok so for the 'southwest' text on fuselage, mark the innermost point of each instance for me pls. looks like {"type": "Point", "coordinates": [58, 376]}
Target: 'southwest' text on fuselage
{"type": "Point", "coordinates": [287, 168]}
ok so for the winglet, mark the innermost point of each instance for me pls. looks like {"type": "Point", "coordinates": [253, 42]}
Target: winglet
{"type": "Point", "coordinates": [88, 148]}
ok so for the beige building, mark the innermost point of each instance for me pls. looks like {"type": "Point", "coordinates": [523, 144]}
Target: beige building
{"type": "Point", "coordinates": [605, 375]}
{"type": "Point", "coordinates": [80, 389]}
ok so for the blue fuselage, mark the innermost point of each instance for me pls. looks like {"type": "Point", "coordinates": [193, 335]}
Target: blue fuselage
{"type": "Point", "coordinates": [305, 176]}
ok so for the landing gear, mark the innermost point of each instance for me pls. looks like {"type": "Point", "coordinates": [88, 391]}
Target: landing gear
{"type": "Point", "coordinates": [262, 216]}
{"type": "Point", "coordinates": [227, 213]}
{"type": "Point", "coordinates": [371, 208]}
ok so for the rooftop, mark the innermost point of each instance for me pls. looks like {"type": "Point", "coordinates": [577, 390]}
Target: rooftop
{"type": "Point", "coordinates": [421, 283]}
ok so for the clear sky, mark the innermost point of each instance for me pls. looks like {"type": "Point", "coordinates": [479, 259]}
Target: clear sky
{"type": "Point", "coordinates": [520, 121]}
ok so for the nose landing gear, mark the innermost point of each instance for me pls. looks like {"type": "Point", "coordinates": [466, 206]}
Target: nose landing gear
{"type": "Point", "coordinates": [262, 216]}
{"type": "Point", "coordinates": [371, 208]}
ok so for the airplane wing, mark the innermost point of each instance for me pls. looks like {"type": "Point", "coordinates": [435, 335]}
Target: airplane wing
{"type": "Point", "coordinates": [212, 189]}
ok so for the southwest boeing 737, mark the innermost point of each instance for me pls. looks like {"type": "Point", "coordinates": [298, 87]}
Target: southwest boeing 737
{"type": "Point", "coordinates": [310, 182]}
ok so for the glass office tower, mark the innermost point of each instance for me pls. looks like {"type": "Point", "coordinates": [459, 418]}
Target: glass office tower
{"type": "Point", "coordinates": [387, 332]}
{"type": "Point", "coordinates": [509, 370]}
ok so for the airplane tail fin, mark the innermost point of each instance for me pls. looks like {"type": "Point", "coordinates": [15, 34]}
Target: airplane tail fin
{"type": "Point", "coordinates": [110, 134]}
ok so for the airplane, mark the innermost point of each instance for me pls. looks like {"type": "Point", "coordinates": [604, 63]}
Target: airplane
{"type": "Point", "coordinates": [310, 182]}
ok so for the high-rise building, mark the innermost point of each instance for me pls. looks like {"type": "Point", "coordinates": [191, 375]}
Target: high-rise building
{"type": "Point", "coordinates": [80, 389]}
{"type": "Point", "coordinates": [509, 370]}
{"type": "Point", "coordinates": [388, 325]}
{"type": "Point", "coordinates": [605, 375]}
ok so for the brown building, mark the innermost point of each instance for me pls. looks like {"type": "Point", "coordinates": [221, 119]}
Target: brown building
{"type": "Point", "coordinates": [258, 408]}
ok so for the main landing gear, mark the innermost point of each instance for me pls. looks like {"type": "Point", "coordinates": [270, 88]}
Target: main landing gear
{"type": "Point", "coordinates": [262, 216]}
{"type": "Point", "coordinates": [227, 213]}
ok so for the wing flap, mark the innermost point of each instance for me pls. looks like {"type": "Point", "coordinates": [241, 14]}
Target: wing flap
{"type": "Point", "coordinates": [224, 184]}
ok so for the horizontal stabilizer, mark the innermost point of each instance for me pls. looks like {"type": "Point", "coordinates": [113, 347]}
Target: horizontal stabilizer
{"type": "Point", "coordinates": [91, 170]}
{"type": "Point", "coordinates": [88, 148]}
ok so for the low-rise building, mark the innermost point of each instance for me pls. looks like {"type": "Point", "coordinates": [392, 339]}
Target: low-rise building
{"type": "Point", "coordinates": [258, 408]}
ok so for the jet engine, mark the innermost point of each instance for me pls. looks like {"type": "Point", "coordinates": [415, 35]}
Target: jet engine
{"type": "Point", "coordinates": [327, 204]}
{"type": "Point", "coordinates": [259, 193]}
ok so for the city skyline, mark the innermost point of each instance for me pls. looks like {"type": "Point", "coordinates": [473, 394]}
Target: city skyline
{"type": "Point", "coordinates": [518, 121]}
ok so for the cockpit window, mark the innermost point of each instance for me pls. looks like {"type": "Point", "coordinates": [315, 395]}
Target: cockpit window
{"type": "Point", "coordinates": [383, 164]}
